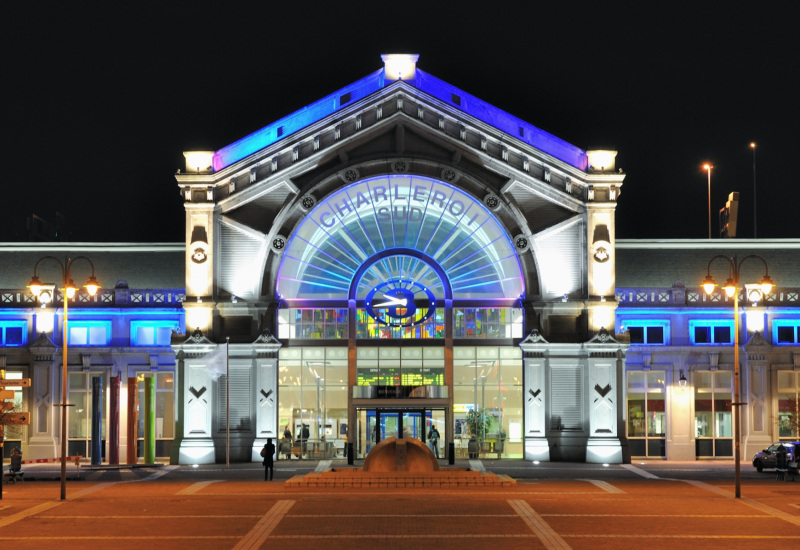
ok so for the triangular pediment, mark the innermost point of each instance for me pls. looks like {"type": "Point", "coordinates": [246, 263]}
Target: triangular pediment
{"type": "Point", "coordinates": [536, 204]}
{"type": "Point", "coordinates": [263, 186]}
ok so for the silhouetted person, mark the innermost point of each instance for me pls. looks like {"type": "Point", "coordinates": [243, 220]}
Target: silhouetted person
{"type": "Point", "coordinates": [304, 439]}
{"type": "Point", "coordinates": [267, 452]}
{"type": "Point", "coordinates": [433, 436]}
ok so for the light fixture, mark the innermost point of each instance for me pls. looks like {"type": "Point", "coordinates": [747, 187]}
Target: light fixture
{"type": "Point", "coordinates": [45, 294]}
{"type": "Point", "coordinates": [70, 289]}
{"type": "Point", "coordinates": [730, 288]}
{"type": "Point", "coordinates": [682, 380]}
{"type": "Point", "coordinates": [709, 284]}
{"type": "Point", "coordinates": [92, 286]}
{"type": "Point", "coordinates": [35, 286]}
{"type": "Point", "coordinates": [766, 285]}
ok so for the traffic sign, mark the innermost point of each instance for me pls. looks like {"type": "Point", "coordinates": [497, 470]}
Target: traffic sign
{"type": "Point", "coordinates": [6, 405]}
{"type": "Point", "coordinates": [20, 382]}
{"type": "Point", "coordinates": [16, 419]}
{"type": "Point", "coordinates": [6, 394]}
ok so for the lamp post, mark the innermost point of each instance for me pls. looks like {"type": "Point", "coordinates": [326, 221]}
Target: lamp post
{"type": "Point", "coordinates": [732, 287]}
{"type": "Point", "coordinates": [68, 285]}
{"type": "Point", "coordinates": [755, 223]}
{"type": "Point", "coordinates": [707, 167]}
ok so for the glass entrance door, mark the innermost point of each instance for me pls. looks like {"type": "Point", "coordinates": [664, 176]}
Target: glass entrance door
{"type": "Point", "coordinates": [376, 425]}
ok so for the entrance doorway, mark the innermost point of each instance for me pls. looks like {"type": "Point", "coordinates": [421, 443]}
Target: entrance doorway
{"type": "Point", "coordinates": [378, 424]}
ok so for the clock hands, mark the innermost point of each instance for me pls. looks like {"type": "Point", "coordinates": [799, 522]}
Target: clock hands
{"type": "Point", "coordinates": [393, 301]}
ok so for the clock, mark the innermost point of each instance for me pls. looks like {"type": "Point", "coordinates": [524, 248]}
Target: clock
{"type": "Point", "coordinates": [396, 303]}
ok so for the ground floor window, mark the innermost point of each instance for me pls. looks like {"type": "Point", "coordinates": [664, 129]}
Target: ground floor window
{"type": "Point", "coordinates": [165, 412]}
{"type": "Point", "coordinates": [713, 413]}
{"type": "Point", "coordinates": [79, 425]}
{"type": "Point", "coordinates": [13, 433]}
{"type": "Point", "coordinates": [312, 407]}
{"type": "Point", "coordinates": [487, 400]}
{"type": "Point", "coordinates": [647, 413]}
{"type": "Point", "coordinates": [788, 390]}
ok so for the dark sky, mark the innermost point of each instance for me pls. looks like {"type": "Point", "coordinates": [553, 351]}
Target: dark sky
{"type": "Point", "coordinates": [102, 100]}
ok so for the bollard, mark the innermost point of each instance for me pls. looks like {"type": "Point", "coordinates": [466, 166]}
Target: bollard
{"type": "Point", "coordinates": [451, 453]}
{"type": "Point", "coordinates": [349, 454]}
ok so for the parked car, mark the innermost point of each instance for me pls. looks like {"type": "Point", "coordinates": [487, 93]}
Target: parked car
{"type": "Point", "coordinates": [768, 459]}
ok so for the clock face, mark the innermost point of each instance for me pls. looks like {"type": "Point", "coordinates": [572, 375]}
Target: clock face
{"type": "Point", "coordinates": [397, 303]}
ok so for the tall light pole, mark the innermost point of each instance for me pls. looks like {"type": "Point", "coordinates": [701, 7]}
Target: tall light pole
{"type": "Point", "coordinates": [69, 289]}
{"type": "Point", "coordinates": [732, 287]}
{"type": "Point", "coordinates": [755, 222]}
{"type": "Point", "coordinates": [707, 167]}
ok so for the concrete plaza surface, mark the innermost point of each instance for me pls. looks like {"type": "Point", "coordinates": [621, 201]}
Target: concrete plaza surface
{"type": "Point", "coordinates": [553, 505]}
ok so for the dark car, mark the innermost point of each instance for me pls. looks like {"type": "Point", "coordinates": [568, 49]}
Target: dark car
{"type": "Point", "coordinates": [768, 457]}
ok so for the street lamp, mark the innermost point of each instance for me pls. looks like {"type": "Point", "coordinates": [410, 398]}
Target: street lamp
{"type": "Point", "coordinates": [68, 285]}
{"type": "Point", "coordinates": [755, 224]}
{"type": "Point", "coordinates": [707, 167]}
{"type": "Point", "coordinates": [731, 288]}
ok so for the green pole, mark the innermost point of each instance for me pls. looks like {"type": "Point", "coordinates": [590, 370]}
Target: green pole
{"type": "Point", "coordinates": [149, 420]}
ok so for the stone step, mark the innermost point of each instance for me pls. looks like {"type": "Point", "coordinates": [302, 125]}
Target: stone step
{"type": "Point", "coordinates": [355, 477]}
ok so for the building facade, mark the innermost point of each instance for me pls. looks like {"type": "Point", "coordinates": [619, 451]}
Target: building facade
{"type": "Point", "coordinates": [397, 256]}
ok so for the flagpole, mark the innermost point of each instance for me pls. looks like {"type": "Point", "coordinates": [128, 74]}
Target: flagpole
{"type": "Point", "coordinates": [227, 402]}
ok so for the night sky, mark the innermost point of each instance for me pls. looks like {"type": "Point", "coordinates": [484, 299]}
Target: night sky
{"type": "Point", "coordinates": [101, 101]}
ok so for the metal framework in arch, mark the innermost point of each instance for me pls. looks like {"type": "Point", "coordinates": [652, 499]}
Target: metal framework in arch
{"type": "Point", "coordinates": [377, 221]}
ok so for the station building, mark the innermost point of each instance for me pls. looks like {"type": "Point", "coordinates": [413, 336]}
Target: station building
{"type": "Point", "coordinates": [395, 256]}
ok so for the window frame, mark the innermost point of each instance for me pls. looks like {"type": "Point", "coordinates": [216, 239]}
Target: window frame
{"type": "Point", "coordinates": [646, 324]}
{"type": "Point", "coordinates": [712, 325]}
{"type": "Point", "coordinates": [72, 325]}
{"type": "Point", "coordinates": [777, 324]}
{"type": "Point", "coordinates": [155, 325]}
{"type": "Point", "coordinates": [16, 323]}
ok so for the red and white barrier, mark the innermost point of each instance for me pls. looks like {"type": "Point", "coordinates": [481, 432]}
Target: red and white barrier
{"type": "Point", "coordinates": [76, 459]}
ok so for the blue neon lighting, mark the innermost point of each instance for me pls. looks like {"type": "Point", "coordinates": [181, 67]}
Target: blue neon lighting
{"type": "Point", "coordinates": [483, 111]}
{"type": "Point", "coordinates": [711, 325]}
{"type": "Point", "coordinates": [785, 323]}
{"type": "Point", "coordinates": [89, 333]}
{"type": "Point", "coordinates": [13, 333]}
{"type": "Point", "coordinates": [153, 333]}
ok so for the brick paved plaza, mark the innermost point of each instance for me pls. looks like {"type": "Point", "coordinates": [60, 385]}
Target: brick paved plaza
{"type": "Point", "coordinates": [577, 506]}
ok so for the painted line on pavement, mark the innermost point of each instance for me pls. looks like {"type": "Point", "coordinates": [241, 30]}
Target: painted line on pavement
{"type": "Point", "coordinates": [771, 511]}
{"type": "Point", "coordinates": [116, 537]}
{"type": "Point", "coordinates": [689, 537]}
{"type": "Point", "coordinates": [194, 487]}
{"type": "Point", "coordinates": [774, 512]}
{"type": "Point", "coordinates": [404, 516]}
{"type": "Point", "coordinates": [323, 465]}
{"type": "Point", "coordinates": [639, 471]}
{"type": "Point", "coordinates": [546, 534]}
{"type": "Point", "coordinates": [259, 534]}
{"type": "Point", "coordinates": [476, 465]}
{"type": "Point", "coordinates": [27, 513]}
{"type": "Point", "coordinates": [436, 536]}
{"type": "Point", "coordinates": [695, 516]}
{"type": "Point", "coordinates": [708, 487]}
{"type": "Point", "coordinates": [89, 490]}
{"type": "Point", "coordinates": [160, 516]}
{"type": "Point", "coordinates": [604, 485]}
{"type": "Point", "coordinates": [162, 472]}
